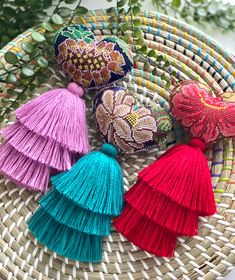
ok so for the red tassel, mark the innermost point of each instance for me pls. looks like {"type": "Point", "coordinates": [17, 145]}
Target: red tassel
{"type": "Point", "coordinates": [144, 233]}
{"type": "Point", "coordinates": [183, 175]}
{"type": "Point", "coordinates": [169, 197]}
{"type": "Point", "coordinates": [162, 210]}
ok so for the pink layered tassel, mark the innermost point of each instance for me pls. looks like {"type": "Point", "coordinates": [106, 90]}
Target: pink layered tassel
{"type": "Point", "coordinates": [38, 148]}
{"type": "Point", "coordinates": [59, 115]}
{"type": "Point", "coordinates": [22, 170]}
{"type": "Point", "coordinates": [49, 134]}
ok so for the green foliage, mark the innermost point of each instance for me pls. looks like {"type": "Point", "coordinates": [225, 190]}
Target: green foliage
{"type": "Point", "coordinates": [130, 31]}
{"type": "Point", "coordinates": [203, 11]}
{"type": "Point", "coordinates": [21, 75]}
{"type": "Point", "coordinates": [18, 15]}
{"type": "Point", "coordinates": [11, 57]}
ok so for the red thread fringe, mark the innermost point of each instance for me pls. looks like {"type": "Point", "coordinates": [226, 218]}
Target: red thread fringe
{"type": "Point", "coordinates": [168, 199]}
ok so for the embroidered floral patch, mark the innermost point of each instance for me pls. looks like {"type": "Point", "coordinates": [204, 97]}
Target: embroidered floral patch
{"type": "Point", "coordinates": [201, 114]}
{"type": "Point", "coordinates": [128, 127]}
{"type": "Point", "coordinates": [91, 64]}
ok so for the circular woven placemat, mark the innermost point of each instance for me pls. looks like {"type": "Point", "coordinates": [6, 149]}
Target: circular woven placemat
{"type": "Point", "coordinates": [211, 254]}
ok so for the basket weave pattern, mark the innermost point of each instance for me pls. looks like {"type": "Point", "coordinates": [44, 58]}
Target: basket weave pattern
{"type": "Point", "coordinates": [211, 254]}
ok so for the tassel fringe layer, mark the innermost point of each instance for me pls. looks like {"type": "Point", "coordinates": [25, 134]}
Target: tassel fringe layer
{"type": "Point", "coordinates": [168, 199]}
{"type": "Point", "coordinates": [64, 240]}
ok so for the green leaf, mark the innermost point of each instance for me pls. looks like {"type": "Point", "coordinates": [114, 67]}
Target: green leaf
{"type": "Point", "coordinates": [2, 118]}
{"type": "Point", "coordinates": [212, 9]}
{"type": "Point", "coordinates": [4, 100]}
{"type": "Point", "coordinates": [42, 62]}
{"type": "Point", "coordinates": [176, 4]}
{"type": "Point", "coordinates": [154, 72]}
{"type": "Point", "coordinates": [144, 49]}
{"type": "Point", "coordinates": [33, 54]}
{"type": "Point", "coordinates": [11, 57]}
{"type": "Point", "coordinates": [111, 10]}
{"type": "Point", "coordinates": [126, 38]}
{"type": "Point", "coordinates": [136, 57]}
{"type": "Point", "coordinates": [33, 3]}
{"type": "Point", "coordinates": [23, 97]}
{"type": "Point", "coordinates": [168, 84]}
{"type": "Point", "coordinates": [11, 91]}
{"type": "Point", "coordinates": [27, 47]}
{"type": "Point", "coordinates": [81, 10]}
{"type": "Point", "coordinates": [64, 12]}
{"type": "Point", "coordinates": [136, 10]}
{"type": "Point", "coordinates": [152, 53]}
{"type": "Point", "coordinates": [113, 19]}
{"type": "Point", "coordinates": [70, 1]}
{"type": "Point", "coordinates": [136, 22]}
{"type": "Point", "coordinates": [11, 79]}
{"type": "Point", "coordinates": [160, 58]}
{"type": "Point", "coordinates": [38, 37]}
{"type": "Point", "coordinates": [32, 87]}
{"type": "Point", "coordinates": [15, 104]}
{"type": "Point", "coordinates": [47, 26]}
{"type": "Point", "coordinates": [57, 19]}
{"type": "Point", "coordinates": [164, 58]}
{"type": "Point", "coordinates": [121, 3]}
{"type": "Point", "coordinates": [42, 78]}
{"type": "Point", "coordinates": [9, 11]}
{"type": "Point", "coordinates": [2, 65]}
{"type": "Point", "coordinates": [125, 27]}
{"type": "Point", "coordinates": [224, 22]}
{"type": "Point", "coordinates": [196, 1]}
{"type": "Point", "coordinates": [47, 4]}
{"type": "Point", "coordinates": [146, 65]}
{"type": "Point", "coordinates": [27, 71]}
{"type": "Point", "coordinates": [140, 41]}
{"type": "Point", "coordinates": [167, 64]}
{"type": "Point", "coordinates": [138, 33]}
{"type": "Point", "coordinates": [201, 12]}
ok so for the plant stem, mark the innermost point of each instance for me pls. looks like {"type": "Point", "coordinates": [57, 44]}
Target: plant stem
{"type": "Point", "coordinates": [74, 12]}
{"type": "Point", "coordinates": [22, 92]}
{"type": "Point", "coordinates": [56, 7]}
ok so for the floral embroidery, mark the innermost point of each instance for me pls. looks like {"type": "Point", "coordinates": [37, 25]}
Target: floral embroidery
{"type": "Point", "coordinates": [89, 63]}
{"type": "Point", "coordinates": [201, 114]}
{"type": "Point", "coordinates": [75, 32]}
{"type": "Point", "coordinates": [128, 128]}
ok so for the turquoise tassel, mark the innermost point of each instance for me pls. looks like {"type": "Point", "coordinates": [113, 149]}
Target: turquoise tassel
{"type": "Point", "coordinates": [75, 215]}
{"type": "Point", "coordinates": [66, 212]}
{"type": "Point", "coordinates": [65, 240]}
{"type": "Point", "coordinates": [95, 182]}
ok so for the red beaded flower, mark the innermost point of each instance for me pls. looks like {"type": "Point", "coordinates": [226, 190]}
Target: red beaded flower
{"type": "Point", "coordinates": [201, 114]}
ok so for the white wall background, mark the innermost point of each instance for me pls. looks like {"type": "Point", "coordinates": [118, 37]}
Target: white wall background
{"type": "Point", "coordinates": [226, 39]}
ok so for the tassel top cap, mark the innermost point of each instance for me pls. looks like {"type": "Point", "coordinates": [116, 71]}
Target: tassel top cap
{"type": "Point", "coordinates": [197, 143]}
{"type": "Point", "coordinates": [110, 150]}
{"type": "Point", "coordinates": [75, 88]}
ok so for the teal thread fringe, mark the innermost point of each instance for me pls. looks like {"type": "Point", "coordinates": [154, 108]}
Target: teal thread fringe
{"type": "Point", "coordinates": [63, 240]}
{"type": "Point", "coordinates": [95, 183]}
{"type": "Point", "coordinates": [66, 212]}
{"type": "Point", "coordinates": [75, 215]}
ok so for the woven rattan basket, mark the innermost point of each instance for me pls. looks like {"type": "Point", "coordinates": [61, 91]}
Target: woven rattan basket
{"type": "Point", "coordinates": [211, 254]}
